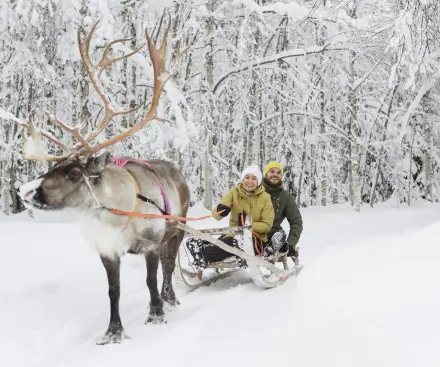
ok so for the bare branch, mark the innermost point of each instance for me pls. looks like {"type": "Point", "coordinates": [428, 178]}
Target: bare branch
{"type": "Point", "coordinates": [271, 59]}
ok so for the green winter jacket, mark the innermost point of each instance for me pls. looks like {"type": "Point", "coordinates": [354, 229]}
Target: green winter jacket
{"type": "Point", "coordinates": [257, 204]}
{"type": "Point", "coordinates": [285, 207]}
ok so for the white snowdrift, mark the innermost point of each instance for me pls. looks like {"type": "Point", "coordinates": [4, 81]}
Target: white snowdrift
{"type": "Point", "coordinates": [367, 296]}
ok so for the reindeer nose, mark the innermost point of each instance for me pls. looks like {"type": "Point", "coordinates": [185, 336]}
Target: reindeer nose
{"type": "Point", "coordinates": [29, 190]}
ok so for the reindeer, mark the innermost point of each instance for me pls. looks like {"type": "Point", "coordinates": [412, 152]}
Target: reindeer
{"type": "Point", "coordinates": [94, 184]}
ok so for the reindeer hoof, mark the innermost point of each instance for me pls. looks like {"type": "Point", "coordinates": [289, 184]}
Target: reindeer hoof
{"type": "Point", "coordinates": [169, 307]}
{"type": "Point", "coordinates": [170, 299]}
{"type": "Point", "coordinates": [113, 337]}
{"type": "Point", "coordinates": [172, 303]}
{"type": "Point", "coordinates": [156, 319]}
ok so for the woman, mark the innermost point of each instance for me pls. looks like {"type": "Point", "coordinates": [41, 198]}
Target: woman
{"type": "Point", "coordinates": [246, 198]}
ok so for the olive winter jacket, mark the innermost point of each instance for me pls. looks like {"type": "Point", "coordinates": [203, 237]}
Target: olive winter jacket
{"type": "Point", "coordinates": [257, 204]}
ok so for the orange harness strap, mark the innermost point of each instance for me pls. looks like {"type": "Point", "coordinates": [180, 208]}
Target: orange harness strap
{"type": "Point", "coordinates": [259, 249]}
{"type": "Point", "coordinates": [159, 216]}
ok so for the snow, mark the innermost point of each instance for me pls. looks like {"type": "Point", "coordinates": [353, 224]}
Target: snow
{"type": "Point", "coordinates": [366, 297]}
{"type": "Point", "coordinates": [292, 10]}
{"type": "Point", "coordinates": [34, 148]}
{"type": "Point", "coordinates": [9, 116]}
{"type": "Point", "coordinates": [160, 4]}
{"type": "Point", "coordinates": [29, 187]}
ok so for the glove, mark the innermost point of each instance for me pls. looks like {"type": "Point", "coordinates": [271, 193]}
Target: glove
{"type": "Point", "coordinates": [226, 209]}
{"type": "Point", "coordinates": [294, 254]}
{"type": "Point", "coordinates": [241, 218]}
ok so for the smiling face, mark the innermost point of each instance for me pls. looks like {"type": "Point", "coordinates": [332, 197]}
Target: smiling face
{"type": "Point", "coordinates": [274, 176]}
{"type": "Point", "coordinates": [250, 182]}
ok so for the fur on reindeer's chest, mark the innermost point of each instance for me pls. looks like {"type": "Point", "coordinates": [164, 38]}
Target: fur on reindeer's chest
{"type": "Point", "coordinates": [111, 235]}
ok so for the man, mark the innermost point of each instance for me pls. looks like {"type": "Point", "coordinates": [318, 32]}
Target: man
{"type": "Point", "coordinates": [284, 206]}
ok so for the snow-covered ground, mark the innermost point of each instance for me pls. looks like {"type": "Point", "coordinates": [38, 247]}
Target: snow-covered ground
{"type": "Point", "coordinates": [368, 296]}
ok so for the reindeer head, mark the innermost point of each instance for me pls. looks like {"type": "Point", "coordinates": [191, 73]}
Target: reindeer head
{"type": "Point", "coordinates": [68, 183]}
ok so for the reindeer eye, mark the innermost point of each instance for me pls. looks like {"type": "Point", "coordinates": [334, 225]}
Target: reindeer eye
{"type": "Point", "coordinates": [74, 174]}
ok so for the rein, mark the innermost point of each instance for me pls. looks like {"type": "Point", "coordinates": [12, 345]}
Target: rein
{"type": "Point", "coordinates": [159, 216]}
{"type": "Point", "coordinates": [166, 214]}
{"type": "Point", "coordinates": [138, 199]}
{"type": "Point", "coordinates": [259, 248]}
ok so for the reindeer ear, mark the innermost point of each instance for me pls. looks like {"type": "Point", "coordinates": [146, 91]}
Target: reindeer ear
{"type": "Point", "coordinates": [96, 165]}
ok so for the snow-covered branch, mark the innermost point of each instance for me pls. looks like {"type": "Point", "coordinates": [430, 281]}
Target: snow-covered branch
{"type": "Point", "coordinates": [298, 52]}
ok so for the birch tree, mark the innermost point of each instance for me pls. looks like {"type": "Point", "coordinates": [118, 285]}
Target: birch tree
{"type": "Point", "coordinates": [344, 94]}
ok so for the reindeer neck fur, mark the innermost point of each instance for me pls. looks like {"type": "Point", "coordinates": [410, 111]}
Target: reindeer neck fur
{"type": "Point", "coordinates": [109, 233]}
{"type": "Point", "coordinates": [114, 188]}
{"type": "Point", "coordinates": [117, 188]}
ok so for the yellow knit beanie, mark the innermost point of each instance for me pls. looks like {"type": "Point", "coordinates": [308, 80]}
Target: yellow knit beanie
{"type": "Point", "coordinates": [271, 165]}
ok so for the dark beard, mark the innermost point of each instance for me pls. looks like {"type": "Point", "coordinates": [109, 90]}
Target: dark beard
{"type": "Point", "coordinates": [277, 185]}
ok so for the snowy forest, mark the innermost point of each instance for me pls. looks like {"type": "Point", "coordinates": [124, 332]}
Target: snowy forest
{"type": "Point", "coordinates": [343, 93]}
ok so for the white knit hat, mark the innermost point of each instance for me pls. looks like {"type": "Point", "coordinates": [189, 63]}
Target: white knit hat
{"type": "Point", "coordinates": [252, 170]}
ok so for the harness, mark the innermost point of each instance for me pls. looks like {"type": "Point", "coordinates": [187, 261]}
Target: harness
{"type": "Point", "coordinates": [139, 197]}
{"type": "Point", "coordinates": [123, 162]}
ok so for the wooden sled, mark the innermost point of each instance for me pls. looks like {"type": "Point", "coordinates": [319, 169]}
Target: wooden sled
{"type": "Point", "coordinates": [264, 273]}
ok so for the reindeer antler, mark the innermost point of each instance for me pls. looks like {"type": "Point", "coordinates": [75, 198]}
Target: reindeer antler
{"type": "Point", "coordinates": [94, 73]}
{"type": "Point", "coordinates": [161, 76]}
{"type": "Point", "coordinates": [84, 145]}
{"type": "Point", "coordinates": [33, 148]}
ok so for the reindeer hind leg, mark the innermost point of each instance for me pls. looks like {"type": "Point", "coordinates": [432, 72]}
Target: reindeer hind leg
{"type": "Point", "coordinates": [168, 260]}
{"type": "Point", "coordinates": [156, 315]}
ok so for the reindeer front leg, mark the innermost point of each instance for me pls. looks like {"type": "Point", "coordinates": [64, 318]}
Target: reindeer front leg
{"type": "Point", "coordinates": [115, 332]}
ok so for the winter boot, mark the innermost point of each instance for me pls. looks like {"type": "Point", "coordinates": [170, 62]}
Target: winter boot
{"type": "Point", "coordinates": [196, 247]}
{"type": "Point", "coordinates": [276, 243]}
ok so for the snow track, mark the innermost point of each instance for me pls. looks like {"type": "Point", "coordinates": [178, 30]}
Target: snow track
{"type": "Point", "coordinates": [367, 296]}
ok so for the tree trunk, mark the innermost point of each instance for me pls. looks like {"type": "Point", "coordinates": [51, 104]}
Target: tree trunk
{"type": "Point", "coordinates": [303, 165]}
{"type": "Point", "coordinates": [382, 150]}
{"type": "Point", "coordinates": [128, 75]}
{"type": "Point", "coordinates": [6, 202]}
{"type": "Point", "coordinates": [208, 191]}
{"type": "Point", "coordinates": [354, 128]}
{"type": "Point", "coordinates": [6, 173]}
{"type": "Point", "coordinates": [410, 169]}
{"type": "Point", "coordinates": [321, 161]}
{"type": "Point", "coordinates": [249, 145]}
{"type": "Point", "coordinates": [83, 114]}
{"type": "Point", "coordinates": [208, 173]}
{"type": "Point", "coordinates": [429, 143]}
{"type": "Point", "coordinates": [322, 165]}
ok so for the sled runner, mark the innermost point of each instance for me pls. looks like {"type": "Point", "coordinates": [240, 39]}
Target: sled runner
{"type": "Point", "coordinates": [264, 271]}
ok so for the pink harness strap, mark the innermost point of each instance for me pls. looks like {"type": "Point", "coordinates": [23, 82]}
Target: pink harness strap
{"type": "Point", "coordinates": [123, 162]}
